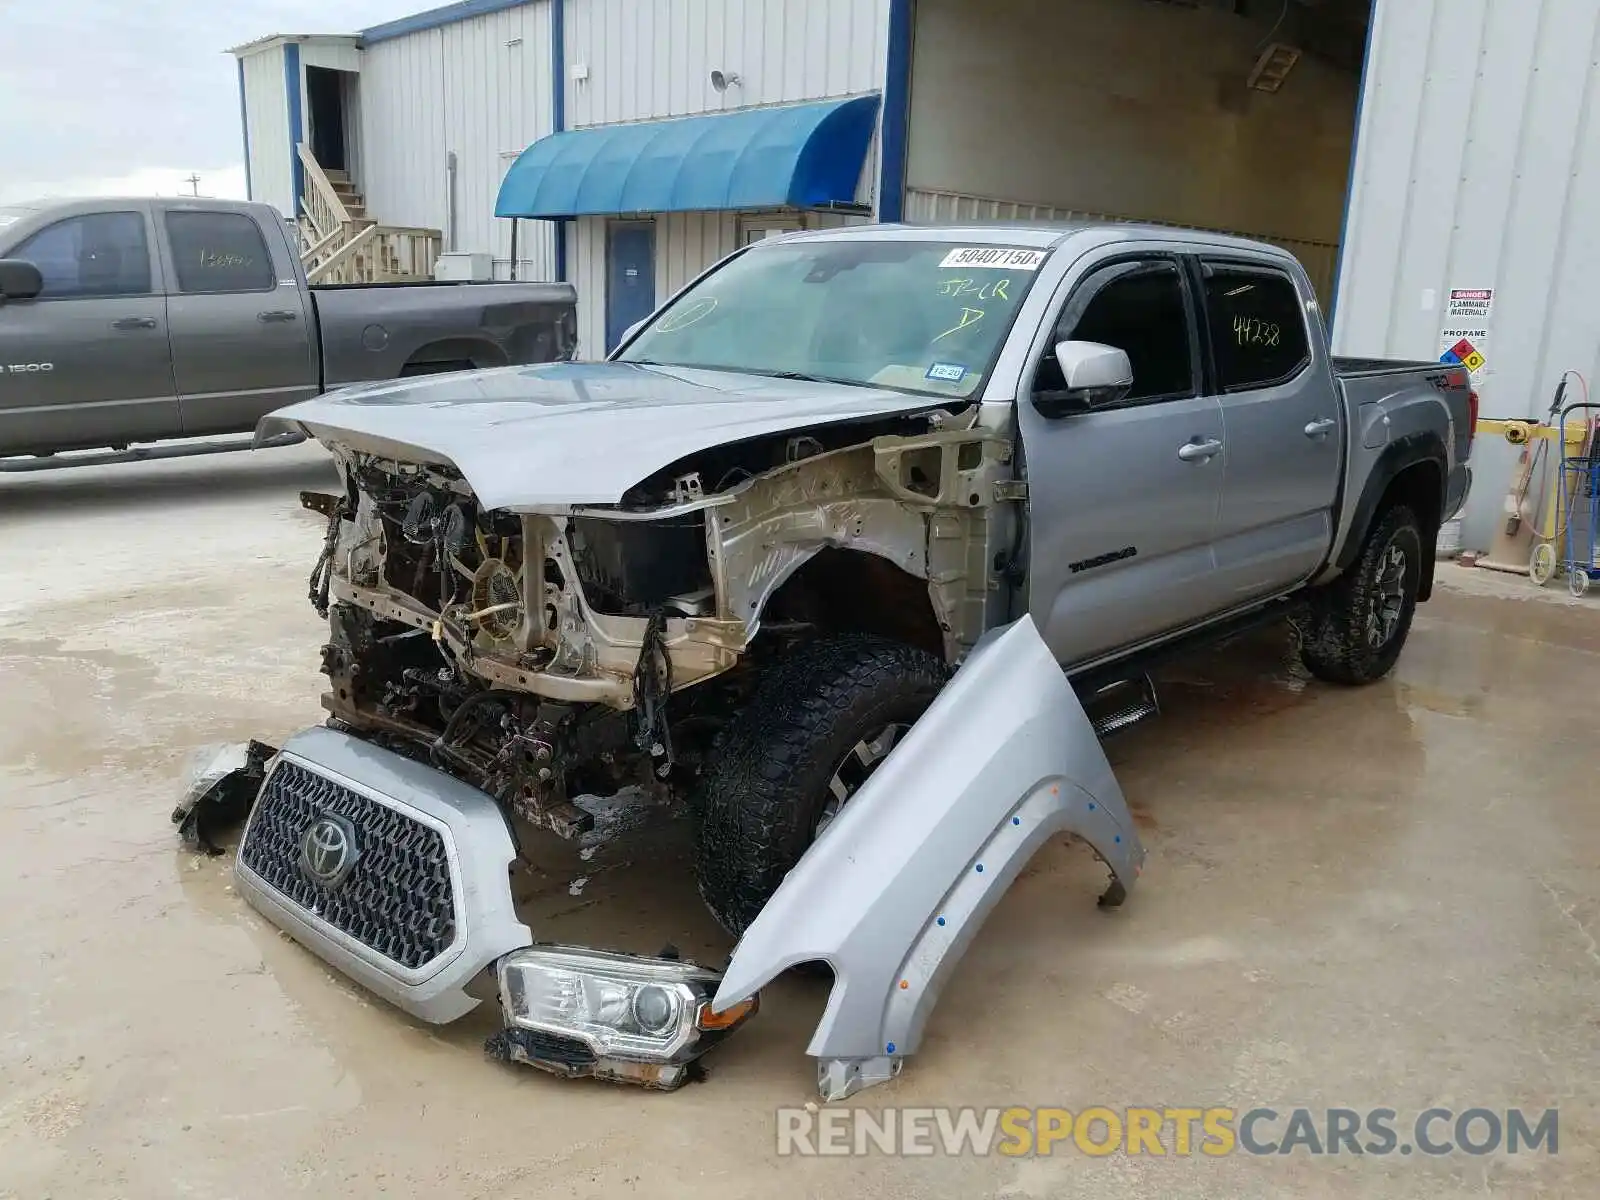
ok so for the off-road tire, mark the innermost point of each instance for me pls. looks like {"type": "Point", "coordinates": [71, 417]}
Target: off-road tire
{"type": "Point", "coordinates": [1336, 643]}
{"type": "Point", "coordinates": [767, 785]}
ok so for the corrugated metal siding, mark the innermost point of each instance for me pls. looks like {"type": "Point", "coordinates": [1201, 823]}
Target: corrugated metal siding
{"type": "Point", "coordinates": [650, 59]}
{"type": "Point", "coordinates": [334, 54]}
{"type": "Point", "coordinates": [403, 131]}
{"type": "Point", "coordinates": [480, 88]}
{"type": "Point", "coordinates": [267, 115]}
{"type": "Point", "coordinates": [1320, 259]}
{"type": "Point", "coordinates": [653, 58]}
{"type": "Point", "coordinates": [688, 243]}
{"type": "Point", "coordinates": [1478, 166]}
{"type": "Point", "coordinates": [586, 266]}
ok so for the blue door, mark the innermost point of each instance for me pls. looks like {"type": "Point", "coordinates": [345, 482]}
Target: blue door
{"type": "Point", "coordinates": [630, 277]}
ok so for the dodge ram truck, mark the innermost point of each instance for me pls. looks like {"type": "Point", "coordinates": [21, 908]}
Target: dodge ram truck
{"type": "Point", "coordinates": [129, 322]}
{"type": "Point", "coordinates": [835, 554]}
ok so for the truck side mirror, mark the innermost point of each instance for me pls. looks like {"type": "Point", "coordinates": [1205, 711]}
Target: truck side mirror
{"type": "Point", "coordinates": [19, 279]}
{"type": "Point", "coordinates": [1092, 376]}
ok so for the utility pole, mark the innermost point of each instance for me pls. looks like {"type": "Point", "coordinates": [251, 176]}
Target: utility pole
{"type": "Point", "coordinates": [194, 184]}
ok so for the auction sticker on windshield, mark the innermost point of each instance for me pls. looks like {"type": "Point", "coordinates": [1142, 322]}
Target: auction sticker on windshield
{"type": "Point", "coordinates": [1001, 257]}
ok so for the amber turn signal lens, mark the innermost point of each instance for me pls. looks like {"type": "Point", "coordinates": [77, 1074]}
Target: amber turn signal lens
{"type": "Point", "coordinates": [706, 1019]}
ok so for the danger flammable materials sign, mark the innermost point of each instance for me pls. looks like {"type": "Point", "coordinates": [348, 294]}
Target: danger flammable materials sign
{"type": "Point", "coordinates": [1470, 306]}
{"type": "Point", "coordinates": [1465, 337]}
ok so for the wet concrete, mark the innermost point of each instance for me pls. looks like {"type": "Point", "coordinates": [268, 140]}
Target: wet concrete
{"type": "Point", "coordinates": [1385, 897]}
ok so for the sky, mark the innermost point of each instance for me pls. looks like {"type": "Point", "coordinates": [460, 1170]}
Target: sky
{"type": "Point", "coordinates": [107, 97]}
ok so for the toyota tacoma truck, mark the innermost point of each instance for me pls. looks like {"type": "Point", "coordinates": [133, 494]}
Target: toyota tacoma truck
{"type": "Point", "coordinates": [130, 322]}
{"type": "Point", "coordinates": [834, 555]}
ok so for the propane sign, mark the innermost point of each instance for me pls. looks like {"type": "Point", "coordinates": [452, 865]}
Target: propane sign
{"type": "Point", "coordinates": [1465, 336]}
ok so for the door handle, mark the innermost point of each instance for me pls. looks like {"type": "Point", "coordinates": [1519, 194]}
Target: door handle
{"type": "Point", "coordinates": [1200, 451]}
{"type": "Point", "coordinates": [277, 314]}
{"type": "Point", "coordinates": [134, 323]}
{"type": "Point", "coordinates": [1321, 427]}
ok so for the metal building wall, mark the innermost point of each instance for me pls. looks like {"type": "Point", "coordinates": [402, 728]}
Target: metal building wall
{"type": "Point", "coordinates": [334, 54]}
{"type": "Point", "coordinates": [1478, 167]}
{"type": "Point", "coordinates": [479, 87]}
{"type": "Point", "coordinates": [266, 116]}
{"type": "Point", "coordinates": [653, 58]}
{"type": "Point", "coordinates": [649, 59]}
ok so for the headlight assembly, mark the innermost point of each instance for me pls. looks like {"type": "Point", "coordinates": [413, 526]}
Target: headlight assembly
{"type": "Point", "coordinates": [589, 1012]}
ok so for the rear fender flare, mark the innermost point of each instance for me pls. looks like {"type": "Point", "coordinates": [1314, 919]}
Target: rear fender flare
{"type": "Point", "coordinates": [898, 885]}
{"type": "Point", "coordinates": [1399, 455]}
{"type": "Point", "coordinates": [480, 352]}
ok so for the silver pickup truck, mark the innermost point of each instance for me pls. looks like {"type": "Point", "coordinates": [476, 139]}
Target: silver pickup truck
{"type": "Point", "coordinates": [838, 555]}
{"type": "Point", "coordinates": [135, 321]}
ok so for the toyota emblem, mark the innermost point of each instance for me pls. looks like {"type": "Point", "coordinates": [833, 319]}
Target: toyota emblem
{"type": "Point", "coordinates": [328, 851]}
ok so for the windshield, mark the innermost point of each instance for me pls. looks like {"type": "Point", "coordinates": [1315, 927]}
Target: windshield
{"type": "Point", "coordinates": [913, 316]}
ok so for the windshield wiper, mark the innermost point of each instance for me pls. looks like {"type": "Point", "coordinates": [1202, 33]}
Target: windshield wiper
{"type": "Point", "coordinates": [805, 378]}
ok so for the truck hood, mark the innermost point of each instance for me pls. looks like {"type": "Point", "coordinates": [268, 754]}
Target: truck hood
{"type": "Point", "coordinates": [560, 435]}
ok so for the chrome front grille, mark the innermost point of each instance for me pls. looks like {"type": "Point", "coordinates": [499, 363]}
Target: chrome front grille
{"type": "Point", "coordinates": [397, 898]}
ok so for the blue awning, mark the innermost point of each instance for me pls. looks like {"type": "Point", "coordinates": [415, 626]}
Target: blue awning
{"type": "Point", "coordinates": [794, 156]}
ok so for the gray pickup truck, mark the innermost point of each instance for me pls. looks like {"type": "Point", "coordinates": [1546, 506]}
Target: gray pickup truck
{"type": "Point", "coordinates": [135, 321]}
{"type": "Point", "coordinates": [838, 554]}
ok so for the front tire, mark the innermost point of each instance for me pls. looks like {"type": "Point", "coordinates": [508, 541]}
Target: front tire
{"type": "Point", "coordinates": [818, 724]}
{"type": "Point", "coordinates": [1359, 623]}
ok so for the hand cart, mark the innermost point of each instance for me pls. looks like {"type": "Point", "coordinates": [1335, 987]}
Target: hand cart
{"type": "Point", "coordinates": [1580, 490]}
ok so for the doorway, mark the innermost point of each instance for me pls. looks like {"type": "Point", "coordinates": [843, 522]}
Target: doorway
{"type": "Point", "coordinates": [325, 99]}
{"type": "Point", "coordinates": [630, 277]}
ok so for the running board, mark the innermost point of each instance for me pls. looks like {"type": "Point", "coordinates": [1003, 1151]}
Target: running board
{"type": "Point", "coordinates": [100, 458]}
{"type": "Point", "coordinates": [1121, 704]}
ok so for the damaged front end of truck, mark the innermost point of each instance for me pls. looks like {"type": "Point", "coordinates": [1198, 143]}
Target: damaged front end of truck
{"type": "Point", "coordinates": [776, 603]}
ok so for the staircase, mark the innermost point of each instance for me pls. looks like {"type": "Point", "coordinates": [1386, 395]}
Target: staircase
{"type": "Point", "coordinates": [339, 243]}
{"type": "Point", "coordinates": [346, 191]}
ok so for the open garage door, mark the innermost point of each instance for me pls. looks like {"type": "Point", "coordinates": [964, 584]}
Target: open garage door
{"type": "Point", "coordinates": [1229, 115]}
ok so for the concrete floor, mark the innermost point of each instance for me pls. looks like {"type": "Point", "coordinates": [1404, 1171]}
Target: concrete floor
{"type": "Point", "coordinates": [1384, 897]}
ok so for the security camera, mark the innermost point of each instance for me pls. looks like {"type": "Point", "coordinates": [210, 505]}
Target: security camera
{"type": "Point", "coordinates": [722, 81]}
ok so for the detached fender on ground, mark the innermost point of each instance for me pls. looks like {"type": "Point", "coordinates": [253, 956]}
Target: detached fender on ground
{"type": "Point", "coordinates": [899, 883]}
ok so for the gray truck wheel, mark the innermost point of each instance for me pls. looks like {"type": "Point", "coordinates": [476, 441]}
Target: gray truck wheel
{"type": "Point", "coordinates": [1358, 624]}
{"type": "Point", "coordinates": [818, 724]}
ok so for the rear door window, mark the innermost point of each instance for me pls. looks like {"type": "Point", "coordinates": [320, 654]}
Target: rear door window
{"type": "Point", "coordinates": [216, 252]}
{"type": "Point", "coordinates": [97, 254]}
{"type": "Point", "coordinates": [1257, 325]}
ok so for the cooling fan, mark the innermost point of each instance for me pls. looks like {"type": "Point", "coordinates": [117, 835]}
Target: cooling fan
{"type": "Point", "coordinates": [497, 599]}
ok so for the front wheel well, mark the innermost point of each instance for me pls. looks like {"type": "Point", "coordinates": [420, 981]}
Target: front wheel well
{"type": "Point", "coordinates": [851, 591]}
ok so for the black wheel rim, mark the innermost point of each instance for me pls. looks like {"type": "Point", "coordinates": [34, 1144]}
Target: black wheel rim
{"type": "Point", "coordinates": [1389, 599]}
{"type": "Point", "coordinates": [863, 759]}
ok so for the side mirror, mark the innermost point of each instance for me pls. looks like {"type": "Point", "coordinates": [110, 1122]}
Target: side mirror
{"type": "Point", "coordinates": [19, 279]}
{"type": "Point", "coordinates": [1092, 375]}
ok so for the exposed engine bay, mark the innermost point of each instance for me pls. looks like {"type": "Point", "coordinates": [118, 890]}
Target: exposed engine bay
{"type": "Point", "coordinates": [541, 656]}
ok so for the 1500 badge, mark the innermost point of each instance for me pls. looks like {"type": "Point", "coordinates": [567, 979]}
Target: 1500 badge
{"type": "Point", "coordinates": [28, 368]}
